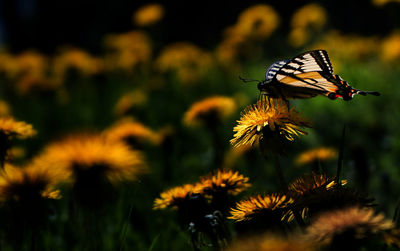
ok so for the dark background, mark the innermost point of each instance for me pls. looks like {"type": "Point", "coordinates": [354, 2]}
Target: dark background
{"type": "Point", "coordinates": [47, 24]}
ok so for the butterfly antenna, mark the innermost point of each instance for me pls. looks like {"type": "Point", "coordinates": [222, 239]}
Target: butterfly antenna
{"type": "Point", "coordinates": [247, 80]}
{"type": "Point", "coordinates": [368, 92]}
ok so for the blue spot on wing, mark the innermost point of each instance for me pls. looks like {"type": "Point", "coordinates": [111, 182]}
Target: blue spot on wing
{"type": "Point", "coordinates": [274, 68]}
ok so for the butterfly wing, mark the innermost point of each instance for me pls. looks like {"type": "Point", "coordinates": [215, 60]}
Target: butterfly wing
{"type": "Point", "coordinates": [305, 76]}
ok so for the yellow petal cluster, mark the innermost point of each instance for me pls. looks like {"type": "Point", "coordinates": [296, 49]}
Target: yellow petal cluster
{"type": "Point", "coordinates": [275, 116]}
{"type": "Point", "coordinates": [19, 129]}
{"type": "Point", "coordinates": [216, 108]}
{"type": "Point", "coordinates": [223, 180]}
{"type": "Point", "coordinates": [85, 151]}
{"type": "Point", "coordinates": [247, 209]}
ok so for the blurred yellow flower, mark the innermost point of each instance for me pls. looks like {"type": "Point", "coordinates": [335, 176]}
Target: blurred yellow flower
{"type": "Point", "coordinates": [30, 72]}
{"type": "Point", "coordinates": [189, 62]}
{"type": "Point", "coordinates": [132, 132]}
{"type": "Point", "coordinates": [270, 205]}
{"type": "Point", "coordinates": [383, 2]}
{"type": "Point", "coordinates": [390, 48]}
{"type": "Point", "coordinates": [208, 111]}
{"type": "Point", "coordinates": [259, 120]}
{"type": "Point", "coordinates": [127, 51]}
{"type": "Point", "coordinates": [8, 64]}
{"type": "Point", "coordinates": [174, 196]}
{"type": "Point", "coordinates": [29, 183]}
{"type": "Point", "coordinates": [304, 22]}
{"type": "Point", "coordinates": [10, 128]}
{"type": "Point", "coordinates": [129, 100]}
{"type": "Point", "coordinates": [257, 22]}
{"type": "Point", "coordinates": [75, 59]}
{"type": "Point", "coordinates": [94, 153]}
{"type": "Point", "coordinates": [357, 222]}
{"type": "Point", "coordinates": [272, 242]}
{"type": "Point", "coordinates": [308, 183]}
{"type": "Point", "coordinates": [4, 109]}
{"type": "Point", "coordinates": [225, 181]}
{"type": "Point", "coordinates": [148, 14]}
{"type": "Point", "coordinates": [317, 154]}
{"type": "Point", "coordinates": [348, 47]}
{"type": "Point", "coordinates": [310, 15]}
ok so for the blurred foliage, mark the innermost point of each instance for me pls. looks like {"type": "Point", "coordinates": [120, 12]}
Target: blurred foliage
{"type": "Point", "coordinates": [74, 91]}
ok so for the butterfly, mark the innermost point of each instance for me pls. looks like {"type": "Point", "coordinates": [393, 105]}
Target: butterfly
{"type": "Point", "coordinates": [305, 76]}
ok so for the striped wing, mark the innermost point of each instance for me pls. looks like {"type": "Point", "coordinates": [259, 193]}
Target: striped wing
{"type": "Point", "coordinates": [311, 71]}
{"type": "Point", "coordinates": [312, 61]}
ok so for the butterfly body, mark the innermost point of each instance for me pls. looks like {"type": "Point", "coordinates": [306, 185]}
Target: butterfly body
{"type": "Point", "coordinates": [305, 76]}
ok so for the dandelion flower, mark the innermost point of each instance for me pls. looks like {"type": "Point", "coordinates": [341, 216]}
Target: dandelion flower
{"type": "Point", "coordinates": [390, 48]}
{"type": "Point", "coordinates": [148, 14]}
{"type": "Point", "coordinates": [357, 222]}
{"type": "Point", "coordinates": [383, 2]}
{"type": "Point", "coordinates": [174, 197]}
{"type": "Point", "coordinates": [225, 181]}
{"type": "Point", "coordinates": [75, 59]}
{"type": "Point", "coordinates": [132, 132]}
{"type": "Point", "coordinates": [4, 109]}
{"type": "Point", "coordinates": [9, 128]}
{"type": "Point", "coordinates": [28, 183]}
{"type": "Point", "coordinates": [263, 119]}
{"type": "Point", "coordinates": [271, 206]}
{"type": "Point", "coordinates": [209, 111]}
{"type": "Point", "coordinates": [317, 154]}
{"type": "Point", "coordinates": [127, 51]}
{"type": "Point", "coordinates": [188, 61]}
{"type": "Point", "coordinates": [94, 153]}
{"type": "Point", "coordinates": [308, 183]}
{"type": "Point", "coordinates": [257, 22]}
{"type": "Point", "coordinates": [128, 101]}
{"type": "Point", "coordinates": [318, 193]}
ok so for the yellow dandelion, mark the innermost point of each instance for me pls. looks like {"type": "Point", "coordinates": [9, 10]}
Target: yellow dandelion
{"type": "Point", "coordinates": [188, 61]}
{"type": "Point", "coordinates": [10, 128]}
{"type": "Point", "coordinates": [132, 132]}
{"type": "Point", "coordinates": [272, 242]}
{"type": "Point", "coordinates": [308, 183]}
{"type": "Point", "coordinates": [272, 205]}
{"type": "Point", "coordinates": [148, 14]}
{"type": "Point", "coordinates": [28, 183]}
{"type": "Point", "coordinates": [8, 64]}
{"type": "Point", "coordinates": [209, 110]}
{"type": "Point", "coordinates": [225, 181]}
{"type": "Point", "coordinates": [317, 154]}
{"type": "Point", "coordinates": [75, 59]}
{"type": "Point", "coordinates": [5, 109]}
{"type": "Point", "coordinates": [32, 70]}
{"type": "Point", "coordinates": [310, 15]}
{"type": "Point", "coordinates": [390, 48]}
{"type": "Point", "coordinates": [91, 153]}
{"type": "Point", "coordinates": [257, 22]}
{"type": "Point", "coordinates": [127, 51]}
{"type": "Point", "coordinates": [174, 196]}
{"type": "Point", "coordinates": [309, 18]}
{"type": "Point", "coordinates": [128, 101]}
{"type": "Point", "coordinates": [383, 2]}
{"type": "Point", "coordinates": [348, 47]}
{"type": "Point", "coordinates": [359, 222]}
{"type": "Point", "coordinates": [271, 116]}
